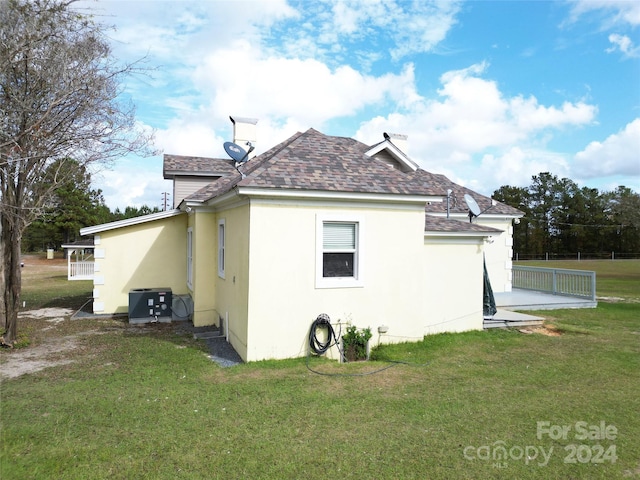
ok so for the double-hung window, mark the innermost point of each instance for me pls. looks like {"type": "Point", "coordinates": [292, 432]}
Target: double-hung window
{"type": "Point", "coordinates": [339, 253]}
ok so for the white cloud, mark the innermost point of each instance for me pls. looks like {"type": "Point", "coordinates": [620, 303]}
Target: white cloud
{"type": "Point", "coordinates": [530, 116]}
{"type": "Point", "coordinates": [624, 44]}
{"type": "Point", "coordinates": [476, 135]}
{"type": "Point", "coordinates": [618, 154]}
{"type": "Point", "coordinates": [190, 137]}
{"type": "Point", "coordinates": [516, 167]}
{"type": "Point", "coordinates": [303, 89]}
{"type": "Point", "coordinates": [135, 184]}
{"type": "Point", "coordinates": [423, 30]}
{"type": "Point", "coordinates": [617, 11]}
{"type": "Point", "coordinates": [181, 31]}
{"type": "Point", "coordinates": [412, 27]}
{"type": "Point", "coordinates": [472, 114]}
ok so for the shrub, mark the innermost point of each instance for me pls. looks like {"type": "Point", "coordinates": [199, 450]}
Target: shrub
{"type": "Point", "coordinates": [354, 343]}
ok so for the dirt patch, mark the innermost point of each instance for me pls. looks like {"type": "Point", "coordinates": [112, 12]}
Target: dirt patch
{"type": "Point", "coordinates": [30, 360]}
{"type": "Point", "coordinates": [548, 330]}
{"type": "Point", "coordinates": [618, 300]}
{"type": "Point", "coordinates": [47, 354]}
{"type": "Point", "coordinates": [54, 315]}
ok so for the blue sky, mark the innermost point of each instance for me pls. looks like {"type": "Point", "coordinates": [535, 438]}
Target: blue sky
{"type": "Point", "coordinates": [489, 93]}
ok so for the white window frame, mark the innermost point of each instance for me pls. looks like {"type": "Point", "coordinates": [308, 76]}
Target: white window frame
{"type": "Point", "coordinates": [190, 258]}
{"type": "Point", "coordinates": [357, 280]}
{"type": "Point", "coordinates": [222, 254]}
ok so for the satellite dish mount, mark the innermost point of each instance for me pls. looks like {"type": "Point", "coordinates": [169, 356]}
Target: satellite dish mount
{"type": "Point", "coordinates": [238, 154]}
{"type": "Point", "coordinates": [474, 208]}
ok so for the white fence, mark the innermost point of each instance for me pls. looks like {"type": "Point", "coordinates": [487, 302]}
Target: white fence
{"type": "Point", "coordinates": [558, 281]}
{"type": "Point", "coordinates": [80, 271]}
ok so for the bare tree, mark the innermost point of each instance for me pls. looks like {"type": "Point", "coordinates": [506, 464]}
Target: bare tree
{"type": "Point", "coordinates": [60, 98]}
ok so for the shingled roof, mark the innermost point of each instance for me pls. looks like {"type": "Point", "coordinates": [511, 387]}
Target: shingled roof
{"type": "Point", "coordinates": [450, 225]}
{"type": "Point", "coordinates": [175, 165]}
{"type": "Point", "coordinates": [312, 161]}
{"type": "Point", "coordinates": [457, 203]}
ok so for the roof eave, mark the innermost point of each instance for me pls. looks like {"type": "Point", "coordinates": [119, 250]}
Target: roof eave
{"type": "Point", "coordinates": [128, 222]}
{"type": "Point", "coordinates": [491, 216]}
{"type": "Point", "coordinates": [169, 174]}
{"type": "Point", "coordinates": [462, 234]}
{"type": "Point", "coordinates": [331, 195]}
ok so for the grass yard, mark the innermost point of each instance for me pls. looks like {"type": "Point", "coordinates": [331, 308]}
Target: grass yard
{"type": "Point", "coordinates": [146, 402]}
{"type": "Point", "coordinates": [45, 284]}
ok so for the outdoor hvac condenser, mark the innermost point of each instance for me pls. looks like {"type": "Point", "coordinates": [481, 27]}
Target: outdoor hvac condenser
{"type": "Point", "coordinates": [150, 305]}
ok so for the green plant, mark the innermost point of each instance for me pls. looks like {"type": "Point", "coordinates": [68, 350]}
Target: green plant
{"type": "Point", "coordinates": [355, 342]}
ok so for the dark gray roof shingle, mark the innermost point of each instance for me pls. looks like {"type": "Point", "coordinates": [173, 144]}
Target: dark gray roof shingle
{"type": "Point", "coordinates": [443, 224]}
{"type": "Point", "coordinates": [312, 161]}
{"type": "Point", "coordinates": [195, 166]}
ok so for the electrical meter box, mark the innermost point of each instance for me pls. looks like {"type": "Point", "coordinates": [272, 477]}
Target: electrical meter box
{"type": "Point", "coordinates": [150, 305]}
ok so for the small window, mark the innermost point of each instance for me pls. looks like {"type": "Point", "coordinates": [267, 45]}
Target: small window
{"type": "Point", "coordinates": [221, 248]}
{"type": "Point", "coordinates": [338, 249]}
{"type": "Point", "coordinates": [339, 256]}
{"type": "Point", "coordinates": [190, 258]}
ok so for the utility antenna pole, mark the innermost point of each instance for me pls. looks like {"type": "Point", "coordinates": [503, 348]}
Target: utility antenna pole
{"type": "Point", "coordinates": [165, 201]}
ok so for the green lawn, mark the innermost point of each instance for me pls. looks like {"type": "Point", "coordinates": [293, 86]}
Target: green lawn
{"type": "Point", "coordinates": [145, 402]}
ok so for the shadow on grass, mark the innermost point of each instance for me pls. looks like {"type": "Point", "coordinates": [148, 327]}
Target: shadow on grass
{"type": "Point", "coordinates": [73, 302]}
{"type": "Point", "coordinates": [172, 332]}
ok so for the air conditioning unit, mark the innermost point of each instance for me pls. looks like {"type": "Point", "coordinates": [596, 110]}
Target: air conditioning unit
{"type": "Point", "coordinates": [150, 305]}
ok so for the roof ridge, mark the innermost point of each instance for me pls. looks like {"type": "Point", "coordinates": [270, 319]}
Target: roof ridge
{"type": "Point", "coordinates": [271, 153]}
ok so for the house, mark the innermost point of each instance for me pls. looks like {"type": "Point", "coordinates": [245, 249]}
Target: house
{"type": "Point", "coordinates": [316, 224]}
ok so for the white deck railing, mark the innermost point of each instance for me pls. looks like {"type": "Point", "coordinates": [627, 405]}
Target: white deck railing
{"type": "Point", "coordinates": [574, 283]}
{"type": "Point", "coordinates": [80, 271]}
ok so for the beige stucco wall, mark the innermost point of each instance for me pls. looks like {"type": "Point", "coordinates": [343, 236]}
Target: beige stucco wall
{"type": "Point", "coordinates": [231, 292]}
{"type": "Point", "coordinates": [408, 286]}
{"type": "Point", "coordinates": [499, 253]}
{"type": "Point", "coordinates": [453, 284]}
{"type": "Point", "coordinates": [148, 255]}
{"type": "Point", "coordinates": [204, 274]}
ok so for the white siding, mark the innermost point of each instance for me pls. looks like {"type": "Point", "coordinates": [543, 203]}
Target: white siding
{"type": "Point", "coordinates": [184, 186]}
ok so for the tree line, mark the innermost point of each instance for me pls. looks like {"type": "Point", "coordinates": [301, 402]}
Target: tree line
{"type": "Point", "coordinates": [563, 219]}
{"type": "Point", "coordinates": [74, 204]}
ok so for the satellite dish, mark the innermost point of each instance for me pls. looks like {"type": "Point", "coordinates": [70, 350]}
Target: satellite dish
{"type": "Point", "coordinates": [474, 209]}
{"type": "Point", "coordinates": [236, 152]}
